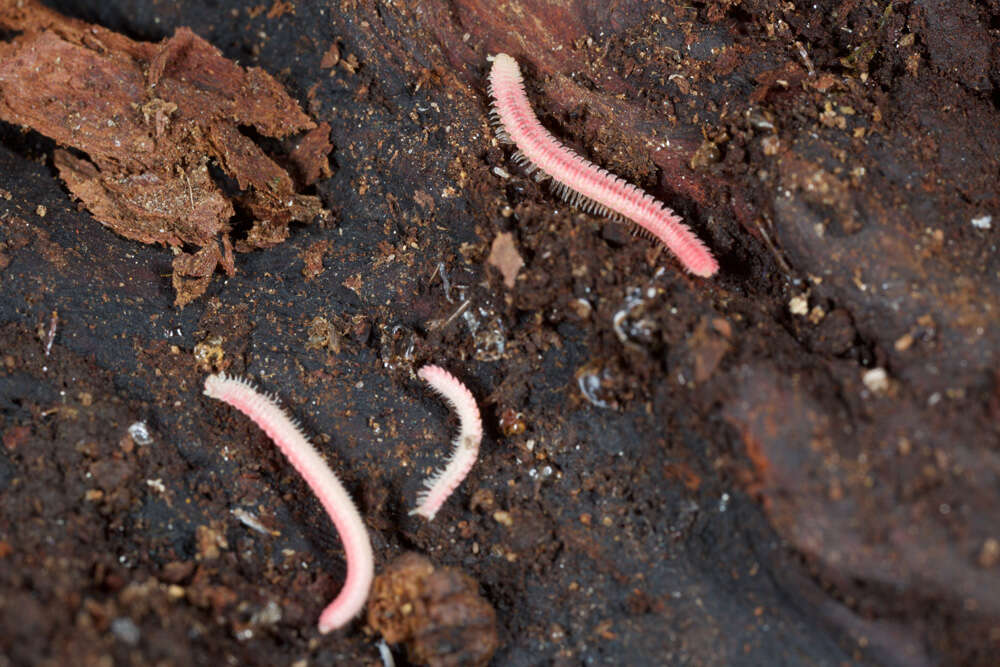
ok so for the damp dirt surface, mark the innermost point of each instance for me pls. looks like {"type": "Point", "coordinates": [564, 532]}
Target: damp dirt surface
{"type": "Point", "coordinates": [796, 462]}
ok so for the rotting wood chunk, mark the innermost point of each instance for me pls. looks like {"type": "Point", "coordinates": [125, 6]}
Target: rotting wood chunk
{"type": "Point", "coordinates": [437, 612]}
{"type": "Point", "coordinates": [146, 122]}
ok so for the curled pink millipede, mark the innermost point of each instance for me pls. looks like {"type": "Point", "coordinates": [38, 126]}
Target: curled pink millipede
{"type": "Point", "coordinates": [581, 182]}
{"type": "Point", "coordinates": [268, 415]}
{"type": "Point", "coordinates": [466, 445]}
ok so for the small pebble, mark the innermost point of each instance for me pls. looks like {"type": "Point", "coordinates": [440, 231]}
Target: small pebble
{"type": "Point", "coordinates": [126, 630]}
{"type": "Point", "coordinates": [504, 518]}
{"type": "Point", "coordinates": [877, 380]}
{"type": "Point", "coordinates": [139, 433]}
{"type": "Point", "coordinates": [983, 222]}
{"type": "Point", "coordinates": [989, 555]}
{"type": "Point", "coordinates": [799, 305]}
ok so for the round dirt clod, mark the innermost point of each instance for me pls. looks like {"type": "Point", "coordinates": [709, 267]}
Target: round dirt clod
{"type": "Point", "coordinates": [437, 612]}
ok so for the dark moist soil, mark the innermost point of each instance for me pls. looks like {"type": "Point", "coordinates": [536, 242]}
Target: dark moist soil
{"type": "Point", "coordinates": [795, 462]}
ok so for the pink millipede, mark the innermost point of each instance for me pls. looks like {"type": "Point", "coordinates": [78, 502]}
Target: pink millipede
{"type": "Point", "coordinates": [581, 182]}
{"type": "Point", "coordinates": [268, 415]}
{"type": "Point", "coordinates": [466, 445]}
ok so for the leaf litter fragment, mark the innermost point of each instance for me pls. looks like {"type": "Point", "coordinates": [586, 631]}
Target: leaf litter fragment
{"type": "Point", "coordinates": [505, 257]}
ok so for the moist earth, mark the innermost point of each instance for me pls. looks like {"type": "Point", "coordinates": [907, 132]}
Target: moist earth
{"type": "Point", "coordinates": [795, 462]}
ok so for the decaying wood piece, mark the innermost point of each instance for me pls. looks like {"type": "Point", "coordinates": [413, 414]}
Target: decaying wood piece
{"type": "Point", "coordinates": [152, 119]}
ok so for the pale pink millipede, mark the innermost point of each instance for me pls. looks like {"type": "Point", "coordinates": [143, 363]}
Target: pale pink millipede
{"type": "Point", "coordinates": [581, 182]}
{"type": "Point", "coordinates": [268, 415]}
{"type": "Point", "coordinates": [466, 445]}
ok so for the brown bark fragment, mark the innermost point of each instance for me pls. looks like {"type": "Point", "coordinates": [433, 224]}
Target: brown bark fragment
{"type": "Point", "coordinates": [310, 157]}
{"type": "Point", "coordinates": [193, 273]}
{"type": "Point", "coordinates": [312, 258]}
{"type": "Point", "coordinates": [331, 57]}
{"type": "Point", "coordinates": [147, 207]}
{"type": "Point", "coordinates": [149, 119]}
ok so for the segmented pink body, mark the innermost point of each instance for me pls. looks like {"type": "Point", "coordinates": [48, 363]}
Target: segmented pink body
{"type": "Point", "coordinates": [466, 444]}
{"type": "Point", "coordinates": [268, 415]}
{"type": "Point", "coordinates": [582, 182]}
